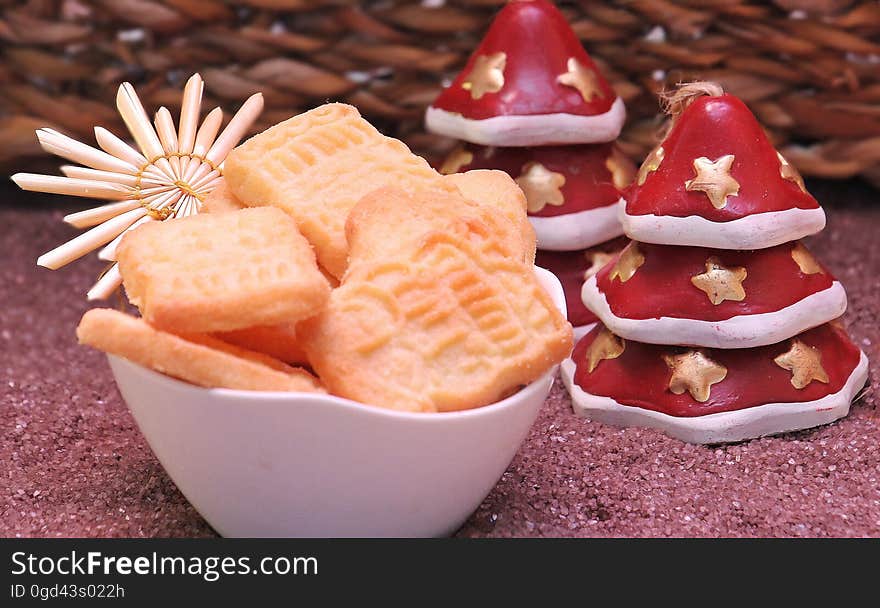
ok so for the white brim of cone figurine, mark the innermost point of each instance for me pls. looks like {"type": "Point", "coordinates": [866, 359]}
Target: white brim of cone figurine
{"type": "Point", "coordinates": [743, 331]}
{"type": "Point", "coordinates": [722, 427]}
{"type": "Point", "coordinates": [757, 231]}
{"type": "Point", "coordinates": [529, 130]}
{"type": "Point", "coordinates": [579, 230]}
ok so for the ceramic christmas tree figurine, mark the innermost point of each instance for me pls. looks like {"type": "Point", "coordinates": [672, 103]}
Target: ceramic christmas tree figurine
{"type": "Point", "coordinates": [529, 83]}
{"type": "Point", "coordinates": [532, 103]}
{"type": "Point", "coordinates": [717, 324]}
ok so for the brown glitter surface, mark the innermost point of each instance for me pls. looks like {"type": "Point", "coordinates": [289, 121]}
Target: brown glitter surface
{"type": "Point", "coordinates": [74, 463]}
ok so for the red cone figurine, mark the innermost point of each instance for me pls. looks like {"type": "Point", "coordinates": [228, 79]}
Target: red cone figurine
{"type": "Point", "coordinates": [724, 328]}
{"type": "Point", "coordinates": [717, 181]}
{"type": "Point", "coordinates": [529, 83]}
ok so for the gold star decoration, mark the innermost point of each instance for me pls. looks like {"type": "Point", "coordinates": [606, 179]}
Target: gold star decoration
{"type": "Point", "coordinates": [695, 372]}
{"type": "Point", "coordinates": [629, 261]}
{"type": "Point", "coordinates": [804, 362]}
{"type": "Point", "coordinates": [541, 186]}
{"type": "Point", "coordinates": [604, 346]}
{"type": "Point", "coordinates": [651, 164]}
{"type": "Point", "coordinates": [714, 179]}
{"type": "Point", "coordinates": [457, 159]}
{"type": "Point", "coordinates": [790, 173]}
{"type": "Point", "coordinates": [805, 260]}
{"type": "Point", "coordinates": [581, 78]}
{"type": "Point", "coordinates": [487, 75]}
{"type": "Point", "coordinates": [721, 282]}
{"type": "Point", "coordinates": [622, 169]}
{"type": "Point", "coordinates": [597, 260]}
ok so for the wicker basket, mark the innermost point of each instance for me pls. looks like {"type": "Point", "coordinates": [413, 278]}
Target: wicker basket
{"type": "Point", "coordinates": [810, 69]}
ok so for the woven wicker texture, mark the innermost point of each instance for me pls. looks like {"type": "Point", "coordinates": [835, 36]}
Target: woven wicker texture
{"type": "Point", "coordinates": [810, 69]}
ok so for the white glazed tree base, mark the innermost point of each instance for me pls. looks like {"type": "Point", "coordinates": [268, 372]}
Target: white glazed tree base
{"type": "Point", "coordinates": [722, 427]}
{"type": "Point", "coordinates": [757, 231]}
{"type": "Point", "coordinates": [271, 464]}
{"type": "Point", "coordinates": [744, 331]}
{"type": "Point", "coordinates": [529, 130]}
{"type": "Point", "coordinates": [579, 230]}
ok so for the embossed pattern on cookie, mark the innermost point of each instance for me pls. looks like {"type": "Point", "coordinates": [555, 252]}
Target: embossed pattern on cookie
{"type": "Point", "coordinates": [222, 272]}
{"type": "Point", "coordinates": [317, 166]}
{"type": "Point", "coordinates": [442, 319]}
{"type": "Point", "coordinates": [497, 192]}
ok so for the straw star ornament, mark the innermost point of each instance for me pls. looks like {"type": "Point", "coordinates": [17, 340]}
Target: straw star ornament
{"type": "Point", "coordinates": [168, 176]}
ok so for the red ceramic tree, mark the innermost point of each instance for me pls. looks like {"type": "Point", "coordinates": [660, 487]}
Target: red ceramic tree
{"type": "Point", "coordinates": [717, 323]}
{"type": "Point", "coordinates": [532, 103]}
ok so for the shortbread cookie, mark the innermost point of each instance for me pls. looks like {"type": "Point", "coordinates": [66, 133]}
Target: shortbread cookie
{"type": "Point", "coordinates": [222, 272]}
{"type": "Point", "coordinates": [221, 199]}
{"type": "Point", "coordinates": [440, 318]}
{"type": "Point", "coordinates": [195, 358]}
{"type": "Point", "coordinates": [277, 341]}
{"type": "Point", "coordinates": [497, 192]}
{"type": "Point", "coordinates": [434, 209]}
{"type": "Point", "coordinates": [316, 167]}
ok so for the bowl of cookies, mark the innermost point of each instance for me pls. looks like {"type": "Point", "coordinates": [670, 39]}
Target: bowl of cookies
{"type": "Point", "coordinates": [342, 343]}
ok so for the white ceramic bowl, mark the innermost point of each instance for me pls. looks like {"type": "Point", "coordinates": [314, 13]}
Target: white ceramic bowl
{"type": "Point", "coordinates": [272, 464]}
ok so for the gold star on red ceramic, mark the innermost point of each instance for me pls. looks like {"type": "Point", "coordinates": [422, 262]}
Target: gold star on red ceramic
{"type": "Point", "coordinates": [457, 159]}
{"type": "Point", "coordinates": [805, 364]}
{"type": "Point", "coordinates": [581, 78]}
{"type": "Point", "coordinates": [713, 178]}
{"type": "Point", "coordinates": [651, 164]}
{"type": "Point", "coordinates": [805, 260]}
{"type": "Point", "coordinates": [622, 169]}
{"type": "Point", "coordinates": [721, 282]}
{"type": "Point", "coordinates": [693, 371]}
{"type": "Point", "coordinates": [604, 346]}
{"type": "Point", "coordinates": [487, 75]}
{"type": "Point", "coordinates": [629, 261]}
{"type": "Point", "coordinates": [790, 173]}
{"type": "Point", "coordinates": [541, 186]}
{"type": "Point", "coordinates": [597, 260]}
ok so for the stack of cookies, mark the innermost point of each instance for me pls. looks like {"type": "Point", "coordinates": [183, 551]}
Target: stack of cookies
{"type": "Point", "coordinates": [531, 102]}
{"type": "Point", "coordinates": [333, 259]}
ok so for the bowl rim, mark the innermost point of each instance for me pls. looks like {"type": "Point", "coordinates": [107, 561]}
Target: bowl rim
{"type": "Point", "coordinates": [547, 279]}
{"type": "Point", "coordinates": [295, 397]}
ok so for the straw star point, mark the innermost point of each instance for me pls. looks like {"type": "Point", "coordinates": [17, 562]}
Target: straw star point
{"type": "Point", "coordinates": [721, 282]}
{"type": "Point", "coordinates": [581, 78]}
{"type": "Point", "coordinates": [714, 180]}
{"type": "Point", "coordinates": [487, 75]}
{"type": "Point", "coordinates": [805, 364]}
{"type": "Point", "coordinates": [541, 186]}
{"type": "Point", "coordinates": [167, 176]}
{"type": "Point", "coordinates": [630, 260]}
{"type": "Point", "coordinates": [695, 372]}
{"type": "Point", "coordinates": [605, 346]}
